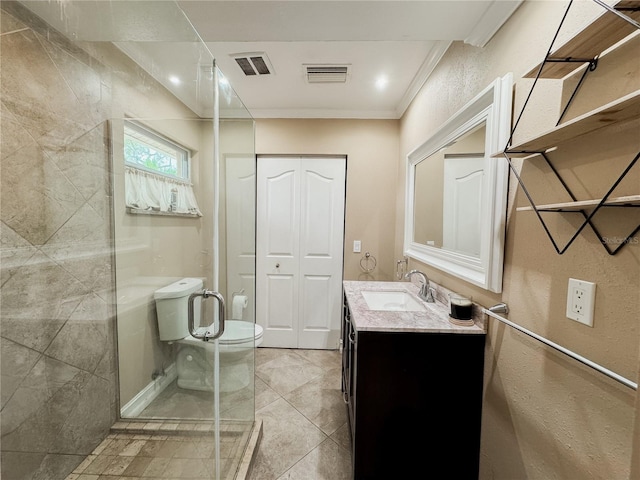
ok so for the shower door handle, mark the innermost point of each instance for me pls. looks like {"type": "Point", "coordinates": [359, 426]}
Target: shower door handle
{"type": "Point", "coordinates": [207, 335]}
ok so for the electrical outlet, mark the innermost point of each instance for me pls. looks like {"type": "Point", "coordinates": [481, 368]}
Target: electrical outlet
{"type": "Point", "coordinates": [581, 298]}
{"type": "Point", "coordinates": [357, 246]}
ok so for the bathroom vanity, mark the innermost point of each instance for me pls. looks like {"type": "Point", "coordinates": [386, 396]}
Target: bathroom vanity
{"type": "Point", "coordinates": [412, 382]}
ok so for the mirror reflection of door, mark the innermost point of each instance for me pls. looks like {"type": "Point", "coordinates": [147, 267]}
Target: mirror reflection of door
{"type": "Point", "coordinates": [448, 195]}
{"type": "Point", "coordinates": [462, 203]}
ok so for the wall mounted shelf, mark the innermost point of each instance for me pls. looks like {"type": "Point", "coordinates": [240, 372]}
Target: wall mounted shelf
{"type": "Point", "coordinates": [628, 201]}
{"type": "Point", "coordinates": [620, 110]}
{"type": "Point", "coordinates": [612, 27]}
{"type": "Point", "coordinates": [604, 32]}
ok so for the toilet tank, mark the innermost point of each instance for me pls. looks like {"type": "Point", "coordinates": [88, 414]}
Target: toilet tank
{"type": "Point", "coordinates": [172, 307]}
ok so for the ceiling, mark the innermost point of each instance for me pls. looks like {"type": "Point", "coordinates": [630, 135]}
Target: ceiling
{"type": "Point", "coordinates": [400, 41]}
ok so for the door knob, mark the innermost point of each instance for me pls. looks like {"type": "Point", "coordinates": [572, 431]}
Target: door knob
{"type": "Point", "coordinates": [277, 265]}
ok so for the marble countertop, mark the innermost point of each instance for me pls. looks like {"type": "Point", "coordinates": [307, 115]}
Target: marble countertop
{"type": "Point", "coordinates": [434, 320]}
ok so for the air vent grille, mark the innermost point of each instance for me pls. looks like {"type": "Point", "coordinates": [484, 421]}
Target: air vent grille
{"type": "Point", "coordinates": [327, 73]}
{"type": "Point", "coordinates": [260, 65]}
{"type": "Point", "coordinates": [253, 63]}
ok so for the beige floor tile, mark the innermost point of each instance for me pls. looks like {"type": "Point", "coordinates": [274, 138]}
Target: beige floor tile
{"type": "Point", "coordinates": [321, 401]}
{"type": "Point", "coordinates": [287, 372]}
{"type": "Point", "coordinates": [132, 448]}
{"type": "Point", "coordinates": [118, 465]}
{"type": "Point", "coordinates": [328, 461]}
{"type": "Point", "coordinates": [98, 466]}
{"type": "Point", "coordinates": [305, 432]}
{"type": "Point", "coordinates": [137, 466]}
{"type": "Point", "coordinates": [287, 437]}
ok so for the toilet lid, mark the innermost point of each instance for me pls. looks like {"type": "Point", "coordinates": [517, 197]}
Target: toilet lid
{"type": "Point", "coordinates": [239, 331]}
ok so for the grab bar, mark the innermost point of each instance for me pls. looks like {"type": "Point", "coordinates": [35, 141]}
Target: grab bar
{"type": "Point", "coordinates": [560, 348]}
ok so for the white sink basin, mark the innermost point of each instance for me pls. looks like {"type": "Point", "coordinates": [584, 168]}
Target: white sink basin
{"type": "Point", "coordinates": [393, 301]}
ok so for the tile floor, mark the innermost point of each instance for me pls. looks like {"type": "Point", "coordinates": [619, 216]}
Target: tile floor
{"type": "Point", "coordinates": [304, 431]}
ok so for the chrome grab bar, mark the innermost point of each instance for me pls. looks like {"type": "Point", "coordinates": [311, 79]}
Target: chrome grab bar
{"type": "Point", "coordinates": [207, 335]}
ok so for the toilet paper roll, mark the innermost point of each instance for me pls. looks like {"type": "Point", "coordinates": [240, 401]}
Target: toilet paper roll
{"type": "Point", "coordinates": [238, 305]}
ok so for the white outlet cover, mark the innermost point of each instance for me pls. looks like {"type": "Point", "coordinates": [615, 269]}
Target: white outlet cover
{"type": "Point", "coordinates": [581, 297]}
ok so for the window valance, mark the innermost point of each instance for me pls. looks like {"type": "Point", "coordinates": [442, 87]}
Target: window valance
{"type": "Point", "coordinates": [149, 191]}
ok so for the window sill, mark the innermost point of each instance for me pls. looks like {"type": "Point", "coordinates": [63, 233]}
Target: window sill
{"type": "Point", "coordinates": [138, 211]}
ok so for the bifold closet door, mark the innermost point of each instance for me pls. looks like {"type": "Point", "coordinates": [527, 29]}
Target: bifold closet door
{"type": "Point", "coordinates": [300, 234]}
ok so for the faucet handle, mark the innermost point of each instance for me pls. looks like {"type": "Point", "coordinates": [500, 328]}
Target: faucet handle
{"type": "Point", "coordinates": [430, 298]}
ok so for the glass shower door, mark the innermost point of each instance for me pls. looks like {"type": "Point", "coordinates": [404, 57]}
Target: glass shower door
{"type": "Point", "coordinates": [137, 96]}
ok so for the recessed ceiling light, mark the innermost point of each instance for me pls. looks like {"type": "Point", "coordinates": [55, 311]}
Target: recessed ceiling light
{"type": "Point", "coordinates": [382, 82]}
{"type": "Point", "coordinates": [175, 80]}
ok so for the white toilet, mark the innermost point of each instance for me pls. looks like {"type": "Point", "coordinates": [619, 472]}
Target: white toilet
{"type": "Point", "coordinates": [194, 358]}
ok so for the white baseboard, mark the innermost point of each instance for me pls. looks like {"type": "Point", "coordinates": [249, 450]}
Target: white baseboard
{"type": "Point", "coordinates": [137, 404]}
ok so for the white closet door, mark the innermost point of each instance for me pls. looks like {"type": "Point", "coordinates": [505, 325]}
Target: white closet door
{"type": "Point", "coordinates": [300, 244]}
{"type": "Point", "coordinates": [322, 192]}
{"type": "Point", "coordinates": [277, 249]}
{"type": "Point", "coordinates": [241, 231]}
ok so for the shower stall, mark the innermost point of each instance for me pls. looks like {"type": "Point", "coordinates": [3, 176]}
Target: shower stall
{"type": "Point", "coordinates": [127, 164]}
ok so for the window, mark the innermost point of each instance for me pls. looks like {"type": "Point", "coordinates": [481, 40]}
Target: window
{"type": "Point", "coordinates": [157, 174]}
{"type": "Point", "coordinates": [150, 151]}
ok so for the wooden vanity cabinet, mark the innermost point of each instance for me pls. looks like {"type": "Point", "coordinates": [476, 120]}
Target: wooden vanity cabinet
{"type": "Point", "coordinates": [414, 402]}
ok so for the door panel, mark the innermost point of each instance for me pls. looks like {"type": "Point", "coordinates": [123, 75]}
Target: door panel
{"type": "Point", "coordinates": [277, 247]}
{"type": "Point", "coordinates": [281, 293]}
{"type": "Point", "coordinates": [301, 223]}
{"type": "Point", "coordinates": [317, 211]}
{"type": "Point", "coordinates": [322, 213]}
{"type": "Point", "coordinates": [280, 196]}
{"type": "Point", "coordinates": [316, 311]}
{"type": "Point", "coordinates": [462, 205]}
{"type": "Point", "coordinates": [240, 220]}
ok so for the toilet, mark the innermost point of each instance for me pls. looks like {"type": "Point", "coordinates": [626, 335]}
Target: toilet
{"type": "Point", "coordinates": [194, 357]}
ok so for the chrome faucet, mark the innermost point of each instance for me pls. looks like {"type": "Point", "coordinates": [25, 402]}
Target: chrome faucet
{"type": "Point", "coordinates": [425, 288]}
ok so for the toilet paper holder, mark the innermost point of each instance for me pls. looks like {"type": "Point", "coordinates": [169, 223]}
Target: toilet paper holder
{"type": "Point", "coordinates": [241, 292]}
{"type": "Point", "coordinates": [238, 304]}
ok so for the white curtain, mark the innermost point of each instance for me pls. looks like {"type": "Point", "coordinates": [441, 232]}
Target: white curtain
{"type": "Point", "coordinates": [147, 191]}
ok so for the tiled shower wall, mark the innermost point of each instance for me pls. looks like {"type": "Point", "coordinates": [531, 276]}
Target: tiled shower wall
{"type": "Point", "coordinates": [57, 317]}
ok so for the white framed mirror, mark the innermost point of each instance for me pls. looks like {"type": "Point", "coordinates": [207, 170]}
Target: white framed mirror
{"type": "Point", "coordinates": [456, 194]}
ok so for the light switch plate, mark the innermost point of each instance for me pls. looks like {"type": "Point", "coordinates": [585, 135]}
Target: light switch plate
{"type": "Point", "coordinates": [357, 246]}
{"type": "Point", "coordinates": [581, 297]}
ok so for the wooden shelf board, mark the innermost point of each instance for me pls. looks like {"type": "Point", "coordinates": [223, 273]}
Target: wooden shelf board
{"type": "Point", "coordinates": [620, 110]}
{"type": "Point", "coordinates": [604, 32]}
{"type": "Point", "coordinates": [582, 204]}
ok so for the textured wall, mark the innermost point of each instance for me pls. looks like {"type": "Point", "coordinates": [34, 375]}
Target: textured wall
{"type": "Point", "coordinates": [545, 415]}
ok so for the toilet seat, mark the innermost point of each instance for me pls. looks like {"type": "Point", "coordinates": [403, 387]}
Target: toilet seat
{"type": "Point", "coordinates": [236, 332]}
{"type": "Point", "coordinates": [240, 331]}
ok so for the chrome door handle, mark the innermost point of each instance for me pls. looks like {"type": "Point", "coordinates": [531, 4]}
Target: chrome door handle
{"type": "Point", "coordinates": [207, 335]}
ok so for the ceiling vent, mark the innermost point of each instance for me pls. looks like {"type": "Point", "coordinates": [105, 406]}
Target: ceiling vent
{"type": "Point", "coordinates": [253, 64]}
{"type": "Point", "coordinates": [326, 73]}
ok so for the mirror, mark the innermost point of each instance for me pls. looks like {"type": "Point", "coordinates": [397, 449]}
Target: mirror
{"type": "Point", "coordinates": [457, 193]}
